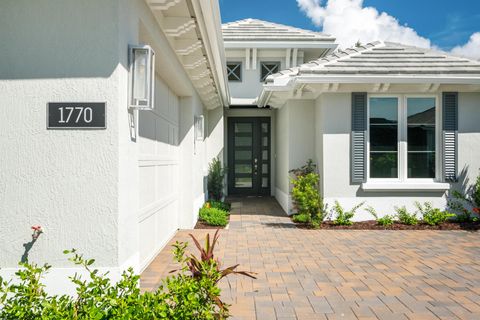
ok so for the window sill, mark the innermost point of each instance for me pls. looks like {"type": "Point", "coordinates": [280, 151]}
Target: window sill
{"type": "Point", "coordinates": [408, 186]}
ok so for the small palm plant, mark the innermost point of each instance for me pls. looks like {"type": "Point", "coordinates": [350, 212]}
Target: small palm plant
{"type": "Point", "coordinates": [207, 268]}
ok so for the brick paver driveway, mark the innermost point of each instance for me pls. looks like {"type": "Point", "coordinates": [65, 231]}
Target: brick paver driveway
{"type": "Point", "coordinates": [326, 274]}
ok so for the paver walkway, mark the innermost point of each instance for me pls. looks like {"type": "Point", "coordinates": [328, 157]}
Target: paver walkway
{"type": "Point", "coordinates": [330, 274]}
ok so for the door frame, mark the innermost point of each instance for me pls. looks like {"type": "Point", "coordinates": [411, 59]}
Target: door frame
{"type": "Point", "coordinates": [257, 189]}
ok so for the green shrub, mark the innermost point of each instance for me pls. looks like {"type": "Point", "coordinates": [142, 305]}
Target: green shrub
{"type": "Point", "coordinates": [344, 218]}
{"type": "Point", "coordinates": [433, 216]}
{"type": "Point", "coordinates": [192, 293]}
{"type": "Point", "coordinates": [463, 204]}
{"type": "Point", "coordinates": [213, 216]}
{"type": "Point", "coordinates": [215, 180]}
{"type": "Point", "coordinates": [309, 167]}
{"type": "Point", "coordinates": [220, 205]}
{"type": "Point", "coordinates": [385, 221]}
{"type": "Point", "coordinates": [306, 196]}
{"type": "Point", "coordinates": [405, 217]}
{"type": "Point", "coordinates": [301, 218]}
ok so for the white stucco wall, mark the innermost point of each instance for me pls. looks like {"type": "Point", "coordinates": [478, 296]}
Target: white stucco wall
{"type": "Point", "coordinates": [250, 86]}
{"type": "Point", "coordinates": [63, 180]}
{"type": "Point", "coordinates": [58, 178]}
{"type": "Point", "coordinates": [295, 136]}
{"type": "Point", "coordinates": [468, 139]}
{"type": "Point", "coordinates": [112, 194]}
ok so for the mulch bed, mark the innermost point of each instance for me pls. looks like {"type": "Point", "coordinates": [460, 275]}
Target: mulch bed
{"type": "Point", "coordinates": [372, 225]}
{"type": "Point", "coordinates": [203, 225]}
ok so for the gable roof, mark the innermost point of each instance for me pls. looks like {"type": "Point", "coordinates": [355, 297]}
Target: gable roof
{"type": "Point", "coordinates": [385, 59]}
{"type": "Point", "coordinates": [259, 30]}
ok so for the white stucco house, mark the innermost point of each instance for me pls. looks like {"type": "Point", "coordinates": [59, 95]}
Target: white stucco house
{"type": "Point", "coordinates": [111, 111]}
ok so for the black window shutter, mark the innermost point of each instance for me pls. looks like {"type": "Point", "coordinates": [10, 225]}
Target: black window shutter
{"type": "Point", "coordinates": [450, 135]}
{"type": "Point", "coordinates": [359, 137]}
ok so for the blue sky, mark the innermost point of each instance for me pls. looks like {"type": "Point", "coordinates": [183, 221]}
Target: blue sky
{"type": "Point", "coordinates": [445, 23]}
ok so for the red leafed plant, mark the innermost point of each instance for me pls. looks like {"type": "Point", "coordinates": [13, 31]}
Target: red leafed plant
{"type": "Point", "coordinates": [206, 256]}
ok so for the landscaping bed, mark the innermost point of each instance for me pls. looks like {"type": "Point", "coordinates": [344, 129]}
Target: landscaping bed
{"type": "Point", "coordinates": [373, 225]}
{"type": "Point", "coordinates": [203, 225]}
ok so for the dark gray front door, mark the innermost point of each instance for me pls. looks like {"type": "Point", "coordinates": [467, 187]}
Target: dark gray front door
{"type": "Point", "coordinates": [249, 155]}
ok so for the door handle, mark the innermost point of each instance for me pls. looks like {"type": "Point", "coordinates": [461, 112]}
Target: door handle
{"type": "Point", "coordinates": [255, 166]}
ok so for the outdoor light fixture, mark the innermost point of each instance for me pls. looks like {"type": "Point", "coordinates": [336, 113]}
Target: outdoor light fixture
{"type": "Point", "coordinates": [199, 131]}
{"type": "Point", "coordinates": [142, 76]}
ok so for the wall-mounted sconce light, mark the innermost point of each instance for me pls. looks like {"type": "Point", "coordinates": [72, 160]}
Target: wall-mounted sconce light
{"type": "Point", "coordinates": [142, 77]}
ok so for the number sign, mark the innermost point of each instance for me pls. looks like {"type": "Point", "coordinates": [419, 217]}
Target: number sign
{"type": "Point", "coordinates": [76, 115]}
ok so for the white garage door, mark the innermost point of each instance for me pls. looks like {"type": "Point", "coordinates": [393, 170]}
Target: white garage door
{"type": "Point", "coordinates": [158, 172]}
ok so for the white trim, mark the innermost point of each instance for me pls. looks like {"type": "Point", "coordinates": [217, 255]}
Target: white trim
{"type": "Point", "coordinates": [283, 199]}
{"type": "Point", "coordinates": [279, 45]}
{"type": "Point", "coordinates": [409, 186]}
{"type": "Point", "coordinates": [288, 58]}
{"type": "Point", "coordinates": [294, 57]}
{"type": "Point", "coordinates": [153, 208]}
{"type": "Point", "coordinates": [247, 59]}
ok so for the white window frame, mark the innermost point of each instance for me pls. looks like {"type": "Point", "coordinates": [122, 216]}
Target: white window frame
{"type": "Point", "coordinates": [402, 142]}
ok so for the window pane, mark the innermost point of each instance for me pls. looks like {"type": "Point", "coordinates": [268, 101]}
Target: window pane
{"type": "Point", "coordinates": [243, 155]}
{"type": "Point", "coordinates": [264, 127]}
{"type": "Point", "coordinates": [268, 68]}
{"type": "Point", "coordinates": [265, 155]}
{"type": "Point", "coordinates": [243, 168]}
{"type": "Point", "coordinates": [421, 165]}
{"type": "Point", "coordinates": [265, 141]}
{"type": "Point", "coordinates": [243, 127]}
{"type": "Point", "coordinates": [383, 165]}
{"type": "Point", "coordinates": [234, 71]}
{"type": "Point", "coordinates": [421, 137]}
{"type": "Point", "coordinates": [421, 111]}
{"type": "Point", "coordinates": [264, 168]}
{"type": "Point", "coordinates": [243, 141]}
{"type": "Point", "coordinates": [243, 182]}
{"type": "Point", "coordinates": [383, 137]}
{"type": "Point", "coordinates": [383, 111]}
{"type": "Point", "coordinates": [264, 182]}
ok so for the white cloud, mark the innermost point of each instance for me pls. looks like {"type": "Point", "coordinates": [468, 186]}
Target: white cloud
{"type": "Point", "coordinates": [349, 21]}
{"type": "Point", "coordinates": [471, 49]}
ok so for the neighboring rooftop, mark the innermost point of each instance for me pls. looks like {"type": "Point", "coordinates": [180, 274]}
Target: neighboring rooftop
{"type": "Point", "coordinates": [258, 30]}
{"type": "Point", "coordinates": [385, 59]}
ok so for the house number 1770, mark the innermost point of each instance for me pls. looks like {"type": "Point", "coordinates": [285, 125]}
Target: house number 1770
{"type": "Point", "coordinates": [78, 113]}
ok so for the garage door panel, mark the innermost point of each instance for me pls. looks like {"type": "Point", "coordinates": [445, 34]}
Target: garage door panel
{"type": "Point", "coordinates": [147, 186]}
{"type": "Point", "coordinates": [158, 173]}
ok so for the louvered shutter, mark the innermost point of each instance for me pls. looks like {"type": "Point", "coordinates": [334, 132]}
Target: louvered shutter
{"type": "Point", "coordinates": [450, 133]}
{"type": "Point", "coordinates": [359, 137]}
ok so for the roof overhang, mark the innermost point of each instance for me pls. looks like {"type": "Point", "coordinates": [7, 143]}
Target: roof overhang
{"type": "Point", "coordinates": [289, 83]}
{"type": "Point", "coordinates": [193, 29]}
{"type": "Point", "coordinates": [279, 44]}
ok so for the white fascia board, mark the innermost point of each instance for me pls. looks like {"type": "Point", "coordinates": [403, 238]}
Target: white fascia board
{"type": "Point", "coordinates": [242, 101]}
{"type": "Point", "coordinates": [279, 45]}
{"type": "Point", "coordinates": [207, 14]}
{"type": "Point", "coordinates": [414, 79]}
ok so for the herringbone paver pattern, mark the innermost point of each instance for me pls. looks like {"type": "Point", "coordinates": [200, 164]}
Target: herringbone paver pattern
{"type": "Point", "coordinates": [339, 274]}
